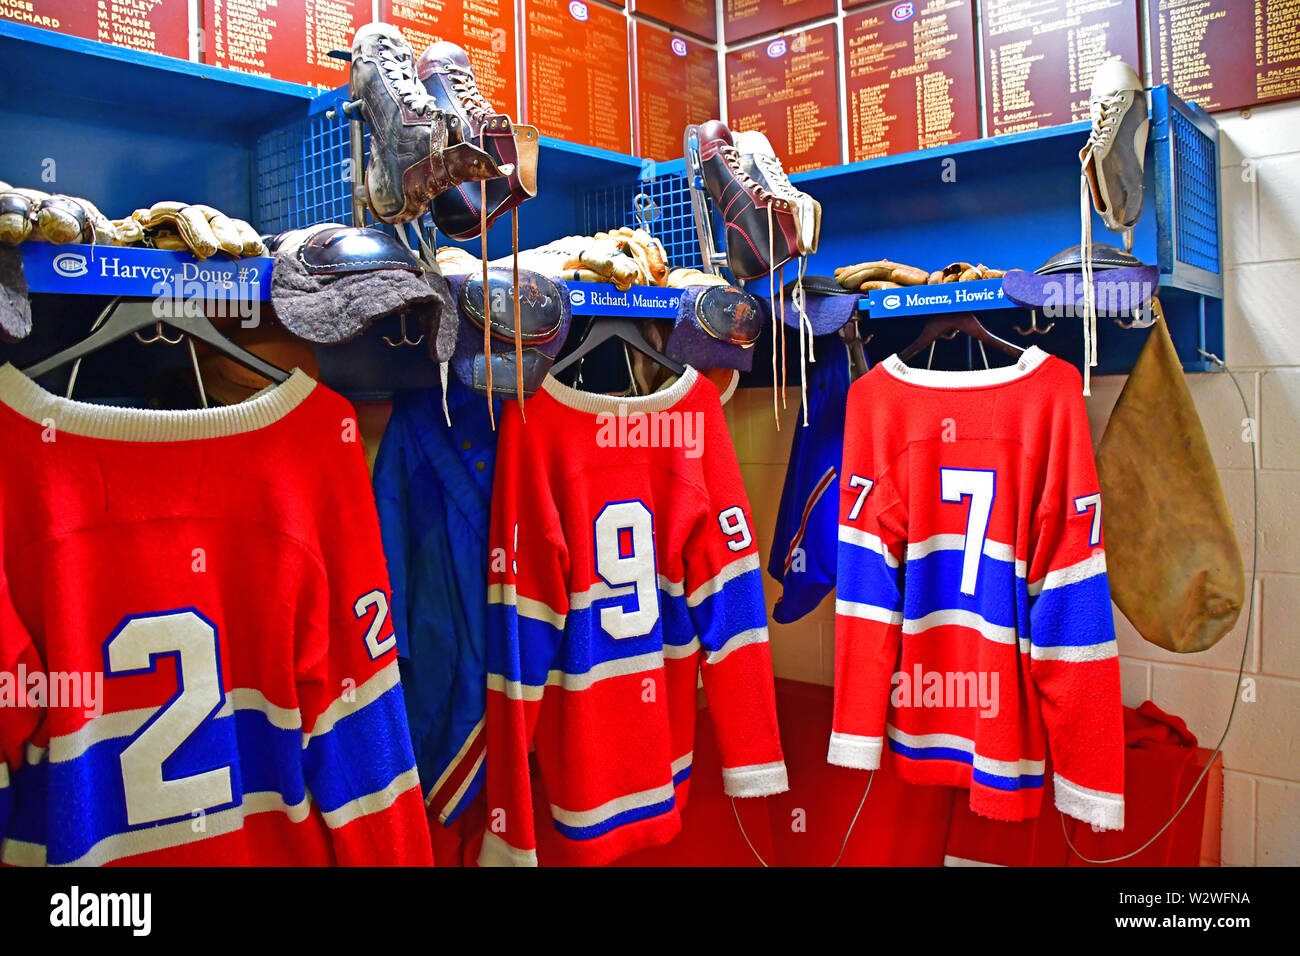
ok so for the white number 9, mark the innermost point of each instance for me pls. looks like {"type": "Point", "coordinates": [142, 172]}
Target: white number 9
{"type": "Point", "coordinates": [637, 568]}
{"type": "Point", "coordinates": [734, 526]}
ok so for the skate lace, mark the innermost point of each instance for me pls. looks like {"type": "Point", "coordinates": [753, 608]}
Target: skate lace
{"type": "Point", "coordinates": [731, 156]}
{"type": "Point", "coordinates": [1105, 124]}
{"type": "Point", "coordinates": [399, 66]}
{"type": "Point", "coordinates": [775, 175]}
{"type": "Point", "coordinates": [471, 97]}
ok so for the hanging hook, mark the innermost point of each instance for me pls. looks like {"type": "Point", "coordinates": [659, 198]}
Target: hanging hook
{"type": "Point", "coordinates": [405, 339]}
{"type": "Point", "coordinates": [159, 336]}
{"type": "Point", "coordinates": [1138, 322]}
{"type": "Point", "coordinates": [1034, 327]}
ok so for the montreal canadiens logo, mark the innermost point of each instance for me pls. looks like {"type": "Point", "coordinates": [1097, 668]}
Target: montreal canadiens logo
{"type": "Point", "coordinates": [577, 297]}
{"type": "Point", "coordinates": [891, 302]}
{"type": "Point", "coordinates": [903, 12]}
{"type": "Point", "coordinates": [70, 264]}
{"type": "Point", "coordinates": [776, 49]}
{"type": "Point", "coordinates": [679, 46]}
{"type": "Point", "coordinates": [578, 10]}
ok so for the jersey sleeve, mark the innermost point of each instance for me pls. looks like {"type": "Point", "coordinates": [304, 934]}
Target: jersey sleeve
{"type": "Point", "coordinates": [19, 722]}
{"type": "Point", "coordinates": [868, 602]}
{"type": "Point", "coordinates": [357, 756]}
{"type": "Point", "coordinates": [724, 597]}
{"type": "Point", "coordinates": [527, 609]}
{"type": "Point", "coordinates": [1073, 655]}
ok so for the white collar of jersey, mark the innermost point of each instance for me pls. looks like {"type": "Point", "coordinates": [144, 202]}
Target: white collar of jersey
{"type": "Point", "coordinates": [595, 403]}
{"type": "Point", "coordinates": [977, 378]}
{"type": "Point", "coordinates": [28, 399]}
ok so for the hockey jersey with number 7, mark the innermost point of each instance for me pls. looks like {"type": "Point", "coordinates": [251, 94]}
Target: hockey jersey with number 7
{"type": "Point", "coordinates": [623, 569]}
{"type": "Point", "coordinates": [196, 603]}
{"type": "Point", "coordinates": [973, 628]}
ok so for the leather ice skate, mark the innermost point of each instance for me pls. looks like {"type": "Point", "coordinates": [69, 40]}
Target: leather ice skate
{"type": "Point", "coordinates": [761, 162]}
{"type": "Point", "coordinates": [417, 150]}
{"type": "Point", "coordinates": [762, 228]}
{"type": "Point", "coordinates": [446, 75]}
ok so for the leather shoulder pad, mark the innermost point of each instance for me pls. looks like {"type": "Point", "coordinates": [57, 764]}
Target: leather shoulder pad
{"type": "Point", "coordinates": [338, 250]}
{"type": "Point", "coordinates": [729, 314]}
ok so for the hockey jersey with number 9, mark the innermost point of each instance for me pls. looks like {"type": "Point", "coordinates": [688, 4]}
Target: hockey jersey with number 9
{"type": "Point", "coordinates": [196, 662]}
{"type": "Point", "coordinates": [973, 628]}
{"type": "Point", "coordinates": [623, 567]}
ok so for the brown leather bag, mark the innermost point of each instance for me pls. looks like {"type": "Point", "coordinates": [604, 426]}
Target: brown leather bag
{"type": "Point", "coordinates": [1173, 559]}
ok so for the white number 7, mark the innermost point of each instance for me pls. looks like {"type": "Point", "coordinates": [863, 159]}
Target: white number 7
{"type": "Point", "coordinates": [955, 484]}
{"type": "Point", "coordinates": [866, 484]}
{"type": "Point", "coordinates": [1092, 501]}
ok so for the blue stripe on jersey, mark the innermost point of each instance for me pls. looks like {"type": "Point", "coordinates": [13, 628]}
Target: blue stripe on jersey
{"type": "Point", "coordinates": [933, 584]}
{"type": "Point", "coordinates": [584, 644]}
{"type": "Point", "coordinates": [261, 757]}
{"type": "Point", "coordinates": [1025, 781]}
{"type": "Point", "coordinates": [616, 821]}
{"type": "Point", "coordinates": [863, 577]}
{"type": "Point", "coordinates": [738, 606]}
{"type": "Point", "coordinates": [360, 743]}
{"type": "Point", "coordinates": [1055, 619]}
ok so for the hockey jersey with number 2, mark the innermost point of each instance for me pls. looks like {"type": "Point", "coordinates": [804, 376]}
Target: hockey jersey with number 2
{"type": "Point", "coordinates": [973, 625]}
{"type": "Point", "coordinates": [623, 566]}
{"type": "Point", "coordinates": [203, 593]}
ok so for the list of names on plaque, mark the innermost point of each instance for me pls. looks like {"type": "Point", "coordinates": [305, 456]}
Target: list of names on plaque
{"type": "Point", "coordinates": [576, 66]}
{"type": "Point", "coordinates": [909, 71]}
{"type": "Point", "coordinates": [156, 26]}
{"type": "Point", "coordinates": [1226, 54]}
{"type": "Point", "coordinates": [288, 40]}
{"type": "Point", "coordinates": [676, 85]}
{"type": "Point", "coordinates": [1040, 57]}
{"type": "Point", "coordinates": [742, 19]}
{"type": "Point", "coordinates": [789, 89]}
{"type": "Point", "coordinates": [694, 16]}
{"type": "Point", "coordinates": [485, 28]}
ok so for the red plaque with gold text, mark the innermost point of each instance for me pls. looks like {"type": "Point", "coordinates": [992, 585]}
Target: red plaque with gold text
{"type": "Point", "coordinates": [485, 28]}
{"type": "Point", "coordinates": [1040, 56]}
{"type": "Point", "coordinates": [290, 40]}
{"type": "Point", "coordinates": [694, 16]}
{"type": "Point", "coordinates": [676, 84]}
{"type": "Point", "coordinates": [909, 70]}
{"type": "Point", "coordinates": [742, 19]}
{"type": "Point", "coordinates": [157, 26]}
{"type": "Point", "coordinates": [576, 67]}
{"type": "Point", "coordinates": [1226, 54]}
{"type": "Point", "coordinates": [789, 89]}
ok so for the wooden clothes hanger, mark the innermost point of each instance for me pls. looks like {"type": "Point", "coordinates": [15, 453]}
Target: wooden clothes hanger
{"type": "Point", "coordinates": [123, 317]}
{"type": "Point", "coordinates": [624, 330]}
{"type": "Point", "coordinates": [947, 326]}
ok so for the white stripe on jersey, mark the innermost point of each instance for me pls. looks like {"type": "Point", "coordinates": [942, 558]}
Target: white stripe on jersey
{"type": "Point", "coordinates": [864, 539]}
{"type": "Point", "coordinates": [1089, 567]}
{"type": "Point", "coordinates": [377, 686]}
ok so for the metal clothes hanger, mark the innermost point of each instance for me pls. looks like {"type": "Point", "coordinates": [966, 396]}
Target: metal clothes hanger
{"type": "Point", "coordinates": [625, 331]}
{"type": "Point", "coordinates": [947, 326]}
{"type": "Point", "coordinates": [123, 317]}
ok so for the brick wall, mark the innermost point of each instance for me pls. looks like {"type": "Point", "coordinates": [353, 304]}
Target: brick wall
{"type": "Point", "coordinates": [1261, 223]}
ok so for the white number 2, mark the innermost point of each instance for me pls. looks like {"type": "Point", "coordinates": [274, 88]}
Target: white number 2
{"type": "Point", "coordinates": [734, 526]}
{"type": "Point", "coordinates": [636, 569]}
{"type": "Point", "coordinates": [956, 484]}
{"type": "Point", "coordinates": [379, 601]}
{"type": "Point", "coordinates": [1092, 501]}
{"type": "Point", "coordinates": [134, 648]}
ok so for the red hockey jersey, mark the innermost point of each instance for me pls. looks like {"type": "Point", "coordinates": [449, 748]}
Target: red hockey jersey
{"type": "Point", "coordinates": [973, 618]}
{"type": "Point", "coordinates": [196, 663]}
{"type": "Point", "coordinates": [623, 568]}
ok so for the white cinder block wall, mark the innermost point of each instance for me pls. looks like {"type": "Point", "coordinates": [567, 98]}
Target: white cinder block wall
{"type": "Point", "coordinates": [1261, 225]}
